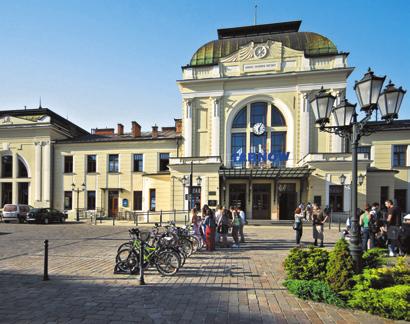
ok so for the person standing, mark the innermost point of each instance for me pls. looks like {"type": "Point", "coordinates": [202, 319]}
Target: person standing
{"type": "Point", "coordinates": [210, 228]}
{"type": "Point", "coordinates": [319, 219]}
{"type": "Point", "coordinates": [243, 222]}
{"type": "Point", "coordinates": [298, 226]}
{"type": "Point", "coordinates": [365, 223]}
{"type": "Point", "coordinates": [236, 224]}
{"type": "Point", "coordinates": [393, 222]}
{"type": "Point", "coordinates": [218, 217]}
{"type": "Point", "coordinates": [309, 211]}
{"type": "Point", "coordinates": [224, 224]}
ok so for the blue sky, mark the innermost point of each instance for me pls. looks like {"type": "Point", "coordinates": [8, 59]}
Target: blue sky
{"type": "Point", "coordinates": [101, 62]}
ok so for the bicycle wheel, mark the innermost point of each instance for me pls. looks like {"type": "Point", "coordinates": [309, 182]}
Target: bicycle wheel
{"type": "Point", "coordinates": [167, 263]}
{"type": "Point", "coordinates": [128, 260]}
{"type": "Point", "coordinates": [126, 244]}
{"type": "Point", "coordinates": [186, 246]}
{"type": "Point", "coordinates": [195, 243]}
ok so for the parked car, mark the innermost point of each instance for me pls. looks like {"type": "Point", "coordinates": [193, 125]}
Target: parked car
{"type": "Point", "coordinates": [45, 216]}
{"type": "Point", "coordinates": [15, 212]}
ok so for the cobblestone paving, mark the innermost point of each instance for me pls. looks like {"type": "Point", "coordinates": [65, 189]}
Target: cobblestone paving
{"type": "Point", "coordinates": [227, 286]}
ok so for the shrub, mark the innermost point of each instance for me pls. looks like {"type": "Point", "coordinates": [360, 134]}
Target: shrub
{"type": "Point", "coordinates": [374, 258]}
{"type": "Point", "coordinates": [314, 290]}
{"type": "Point", "coordinates": [392, 302]}
{"type": "Point", "coordinates": [340, 267]}
{"type": "Point", "coordinates": [306, 264]}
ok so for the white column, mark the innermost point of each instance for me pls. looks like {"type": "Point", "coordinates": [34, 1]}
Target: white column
{"type": "Point", "coordinates": [304, 126]}
{"type": "Point", "coordinates": [188, 128]}
{"type": "Point", "coordinates": [37, 173]}
{"type": "Point", "coordinates": [46, 172]}
{"type": "Point", "coordinates": [216, 126]}
{"type": "Point", "coordinates": [327, 185]}
{"type": "Point", "coordinates": [336, 139]}
{"type": "Point", "coordinates": [14, 185]}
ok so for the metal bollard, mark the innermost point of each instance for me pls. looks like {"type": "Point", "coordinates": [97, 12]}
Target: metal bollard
{"type": "Point", "coordinates": [175, 216]}
{"type": "Point", "coordinates": [45, 274]}
{"type": "Point", "coordinates": [160, 218]}
{"type": "Point", "coordinates": [113, 220]}
{"type": "Point", "coordinates": [141, 280]}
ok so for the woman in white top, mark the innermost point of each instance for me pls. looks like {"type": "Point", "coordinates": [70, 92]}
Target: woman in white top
{"type": "Point", "coordinates": [298, 227]}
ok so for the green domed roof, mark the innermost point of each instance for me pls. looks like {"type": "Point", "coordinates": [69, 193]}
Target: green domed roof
{"type": "Point", "coordinates": [311, 43]}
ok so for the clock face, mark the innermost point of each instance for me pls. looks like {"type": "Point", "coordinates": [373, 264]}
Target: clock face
{"type": "Point", "coordinates": [258, 129]}
{"type": "Point", "coordinates": [260, 52]}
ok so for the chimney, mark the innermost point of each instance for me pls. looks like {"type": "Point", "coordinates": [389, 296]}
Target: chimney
{"type": "Point", "coordinates": [178, 126]}
{"type": "Point", "coordinates": [135, 129]}
{"type": "Point", "coordinates": [154, 131]}
{"type": "Point", "coordinates": [120, 129]}
{"type": "Point", "coordinates": [104, 131]}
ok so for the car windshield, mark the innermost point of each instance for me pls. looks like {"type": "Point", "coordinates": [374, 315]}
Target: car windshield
{"type": "Point", "coordinates": [35, 210]}
{"type": "Point", "coordinates": [10, 208]}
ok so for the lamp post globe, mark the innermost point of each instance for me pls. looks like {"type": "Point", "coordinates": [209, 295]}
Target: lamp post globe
{"type": "Point", "coordinates": [343, 113]}
{"type": "Point", "coordinates": [368, 90]}
{"type": "Point", "coordinates": [322, 104]}
{"type": "Point", "coordinates": [390, 101]}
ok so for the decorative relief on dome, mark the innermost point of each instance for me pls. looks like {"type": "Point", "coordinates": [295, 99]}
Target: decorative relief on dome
{"type": "Point", "coordinates": [243, 54]}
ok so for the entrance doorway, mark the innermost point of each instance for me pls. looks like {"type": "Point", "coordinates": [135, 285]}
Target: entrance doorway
{"type": "Point", "coordinates": [113, 203]}
{"type": "Point", "coordinates": [287, 197]}
{"type": "Point", "coordinates": [237, 195]}
{"type": "Point", "coordinates": [336, 198]}
{"type": "Point", "coordinates": [261, 196]}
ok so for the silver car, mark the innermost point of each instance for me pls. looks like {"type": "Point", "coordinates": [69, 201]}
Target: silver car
{"type": "Point", "coordinates": [15, 212]}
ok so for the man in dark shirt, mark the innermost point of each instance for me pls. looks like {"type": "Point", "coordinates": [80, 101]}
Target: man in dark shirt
{"type": "Point", "coordinates": [393, 222]}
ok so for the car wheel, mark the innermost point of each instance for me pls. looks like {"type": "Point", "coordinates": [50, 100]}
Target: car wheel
{"type": "Point", "coordinates": [46, 220]}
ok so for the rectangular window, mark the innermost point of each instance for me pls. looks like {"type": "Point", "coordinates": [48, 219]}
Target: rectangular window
{"type": "Point", "coordinates": [68, 200]}
{"type": "Point", "coordinates": [6, 193]}
{"type": "Point", "coordinates": [152, 200]}
{"type": "Point", "coordinates": [68, 164]}
{"type": "Point", "coordinates": [137, 200]}
{"type": "Point", "coordinates": [91, 163]}
{"type": "Point", "coordinates": [399, 155]}
{"type": "Point", "coordinates": [90, 200]}
{"type": "Point", "coordinates": [113, 163]}
{"type": "Point", "coordinates": [278, 145]}
{"type": "Point", "coordinates": [138, 162]}
{"type": "Point", "coordinates": [163, 161]}
{"type": "Point", "coordinates": [238, 148]}
{"type": "Point", "coordinates": [258, 113]}
{"type": "Point", "coordinates": [364, 149]}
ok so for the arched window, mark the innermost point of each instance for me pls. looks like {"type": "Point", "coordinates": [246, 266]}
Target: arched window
{"type": "Point", "coordinates": [6, 166]}
{"type": "Point", "coordinates": [267, 134]}
{"type": "Point", "coordinates": [240, 119]}
{"type": "Point", "coordinates": [276, 117]}
{"type": "Point", "coordinates": [22, 172]}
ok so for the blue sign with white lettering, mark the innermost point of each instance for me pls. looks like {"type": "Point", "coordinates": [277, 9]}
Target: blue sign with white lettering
{"type": "Point", "coordinates": [260, 157]}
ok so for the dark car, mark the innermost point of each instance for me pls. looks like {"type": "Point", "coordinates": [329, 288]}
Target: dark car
{"type": "Point", "coordinates": [45, 215]}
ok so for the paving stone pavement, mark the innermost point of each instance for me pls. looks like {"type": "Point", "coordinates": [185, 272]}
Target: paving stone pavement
{"type": "Point", "coordinates": [226, 286]}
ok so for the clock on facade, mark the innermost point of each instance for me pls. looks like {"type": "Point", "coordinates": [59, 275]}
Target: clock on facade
{"type": "Point", "coordinates": [260, 52]}
{"type": "Point", "coordinates": [258, 128]}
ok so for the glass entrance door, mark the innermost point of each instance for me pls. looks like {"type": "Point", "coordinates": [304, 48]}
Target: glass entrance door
{"type": "Point", "coordinates": [336, 198]}
{"type": "Point", "coordinates": [261, 196]}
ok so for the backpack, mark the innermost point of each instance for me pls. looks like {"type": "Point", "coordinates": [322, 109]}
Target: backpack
{"type": "Point", "coordinates": [237, 220]}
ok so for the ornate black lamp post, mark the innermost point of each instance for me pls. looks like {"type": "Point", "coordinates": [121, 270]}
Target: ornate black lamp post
{"type": "Point", "coordinates": [346, 125]}
{"type": "Point", "coordinates": [78, 190]}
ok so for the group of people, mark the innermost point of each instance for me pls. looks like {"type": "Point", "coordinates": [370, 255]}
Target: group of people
{"type": "Point", "coordinates": [214, 226]}
{"type": "Point", "coordinates": [379, 229]}
{"type": "Point", "coordinates": [318, 216]}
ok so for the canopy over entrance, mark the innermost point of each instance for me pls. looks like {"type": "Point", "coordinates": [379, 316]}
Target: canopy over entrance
{"type": "Point", "coordinates": [290, 173]}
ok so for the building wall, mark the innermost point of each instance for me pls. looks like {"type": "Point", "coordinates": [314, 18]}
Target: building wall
{"type": "Point", "coordinates": [126, 180]}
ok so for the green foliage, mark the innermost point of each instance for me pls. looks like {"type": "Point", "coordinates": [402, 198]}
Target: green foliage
{"type": "Point", "coordinates": [306, 264]}
{"type": "Point", "coordinates": [314, 290]}
{"type": "Point", "coordinates": [382, 291]}
{"type": "Point", "coordinates": [374, 258]}
{"type": "Point", "coordinates": [340, 267]}
{"type": "Point", "coordinates": [392, 302]}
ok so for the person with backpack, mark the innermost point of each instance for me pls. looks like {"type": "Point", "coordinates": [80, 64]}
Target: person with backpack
{"type": "Point", "coordinates": [210, 228]}
{"type": "Point", "coordinates": [393, 223]}
{"type": "Point", "coordinates": [366, 223]}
